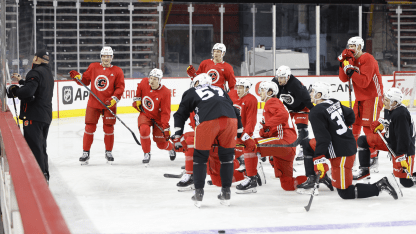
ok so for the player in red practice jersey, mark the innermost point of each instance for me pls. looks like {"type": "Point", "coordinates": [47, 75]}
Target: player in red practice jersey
{"type": "Point", "coordinates": [152, 100]}
{"type": "Point", "coordinates": [107, 82]}
{"type": "Point", "coordinates": [216, 68]}
{"type": "Point", "coordinates": [276, 128]}
{"type": "Point", "coordinates": [363, 71]}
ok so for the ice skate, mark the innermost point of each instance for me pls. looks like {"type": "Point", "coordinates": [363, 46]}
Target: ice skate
{"type": "Point", "coordinates": [225, 196]}
{"type": "Point", "coordinates": [327, 181]}
{"type": "Point", "coordinates": [85, 158]}
{"type": "Point", "coordinates": [109, 157]}
{"type": "Point", "coordinates": [263, 159]}
{"type": "Point", "coordinates": [146, 159]}
{"type": "Point", "coordinates": [261, 177]}
{"type": "Point", "coordinates": [307, 186]}
{"type": "Point", "coordinates": [374, 164]}
{"type": "Point", "coordinates": [209, 182]}
{"type": "Point", "coordinates": [172, 155]}
{"type": "Point", "coordinates": [242, 167]}
{"type": "Point", "coordinates": [197, 197]}
{"type": "Point", "coordinates": [248, 185]}
{"type": "Point", "coordinates": [186, 183]}
{"type": "Point", "coordinates": [386, 184]}
{"type": "Point", "coordinates": [299, 158]}
{"type": "Point", "coordinates": [363, 173]}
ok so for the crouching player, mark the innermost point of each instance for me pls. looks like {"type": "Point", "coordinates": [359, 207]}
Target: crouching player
{"type": "Point", "coordinates": [334, 140]}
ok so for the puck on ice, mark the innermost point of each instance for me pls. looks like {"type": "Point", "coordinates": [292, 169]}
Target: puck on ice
{"type": "Point", "coordinates": [221, 231]}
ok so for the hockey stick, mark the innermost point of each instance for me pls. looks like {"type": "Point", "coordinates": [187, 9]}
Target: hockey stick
{"type": "Point", "coordinates": [167, 175]}
{"type": "Point", "coordinates": [15, 110]}
{"type": "Point", "coordinates": [89, 90]}
{"type": "Point", "coordinates": [294, 144]}
{"type": "Point", "coordinates": [349, 91]}
{"type": "Point", "coordinates": [315, 187]}
{"type": "Point", "coordinates": [393, 154]}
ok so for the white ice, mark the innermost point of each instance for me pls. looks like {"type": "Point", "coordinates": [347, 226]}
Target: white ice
{"type": "Point", "coordinates": [127, 197]}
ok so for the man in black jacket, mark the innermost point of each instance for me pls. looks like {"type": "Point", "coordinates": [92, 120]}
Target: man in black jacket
{"type": "Point", "coordinates": [35, 93]}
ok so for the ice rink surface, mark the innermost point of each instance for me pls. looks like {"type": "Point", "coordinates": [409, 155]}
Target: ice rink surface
{"type": "Point", "coordinates": [127, 197]}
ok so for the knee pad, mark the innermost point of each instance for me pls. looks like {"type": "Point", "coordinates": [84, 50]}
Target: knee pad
{"type": "Point", "coordinates": [348, 193]}
{"type": "Point", "coordinates": [307, 149]}
{"type": "Point", "coordinates": [162, 145]}
{"type": "Point", "coordinates": [90, 128]}
{"type": "Point", "coordinates": [144, 130]}
{"type": "Point", "coordinates": [407, 183]}
{"type": "Point", "coordinates": [201, 156]}
{"type": "Point", "coordinates": [109, 129]}
{"type": "Point", "coordinates": [362, 142]}
{"type": "Point", "coordinates": [226, 155]}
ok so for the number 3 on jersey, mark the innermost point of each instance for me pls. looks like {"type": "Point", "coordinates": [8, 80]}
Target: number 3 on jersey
{"type": "Point", "coordinates": [206, 93]}
{"type": "Point", "coordinates": [340, 121]}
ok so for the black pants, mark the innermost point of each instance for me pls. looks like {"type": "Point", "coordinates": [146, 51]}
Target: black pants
{"type": "Point", "coordinates": [36, 134]}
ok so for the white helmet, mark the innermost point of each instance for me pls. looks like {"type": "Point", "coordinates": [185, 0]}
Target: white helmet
{"type": "Point", "coordinates": [269, 85]}
{"type": "Point", "coordinates": [156, 73]}
{"type": "Point", "coordinates": [284, 71]}
{"type": "Point", "coordinates": [394, 95]}
{"type": "Point", "coordinates": [203, 78]}
{"type": "Point", "coordinates": [244, 82]}
{"type": "Point", "coordinates": [106, 50]}
{"type": "Point", "coordinates": [356, 41]}
{"type": "Point", "coordinates": [219, 46]}
{"type": "Point", "coordinates": [323, 88]}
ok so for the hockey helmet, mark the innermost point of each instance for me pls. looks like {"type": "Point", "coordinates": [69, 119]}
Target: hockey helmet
{"type": "Point", "coordinates": [203, 79]}
{"type": "Point", "coordinates": [356, 41]}
{"type": "Point", "coordinates": [219, 46]}
{"type": "Point", "coordinates": [244, 82]}
{"type": "Point", "coordinates": [269, 85]}
{"type": "Point", "coordinates": [283, 71]}
{"type": "Point", "coordinates": [156, 73]}
{"type": "Point", "coordinates": [323, 88]}
{"type": "Point", "coordinates": [394, 95]}
{"type": "Point", "coordinates": [106, 50]}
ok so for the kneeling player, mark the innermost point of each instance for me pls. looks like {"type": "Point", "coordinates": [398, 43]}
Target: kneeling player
{"type": "Point", "coordinates": [400, 136]}
{"type": "Point", "coordinates": [152, 100]}
{"type": "Point", "coordinates": [330, 121]}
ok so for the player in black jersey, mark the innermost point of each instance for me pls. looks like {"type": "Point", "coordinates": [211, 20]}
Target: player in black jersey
{"type": "Point", "coordinates": [216, 119]}
{"type": "Point", "coordinates": [400, 136]}
{"type": "Point", "coordinates": [295, 97]}
{"type": "Point", "coordinates": [334, 141]}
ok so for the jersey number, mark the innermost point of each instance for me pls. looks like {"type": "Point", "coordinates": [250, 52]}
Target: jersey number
{"type": "Point", "coordinates": [340, 122]}
{"type": "Point", "coordinates": [205, 93]}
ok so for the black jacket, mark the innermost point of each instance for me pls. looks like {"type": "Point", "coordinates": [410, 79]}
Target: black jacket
{"type": "Point", "coordinates": [36, 94]}
{"type": "Point", "coordinates": [294, 95]}
{"type": "Point", "coordinates": [400, 132]}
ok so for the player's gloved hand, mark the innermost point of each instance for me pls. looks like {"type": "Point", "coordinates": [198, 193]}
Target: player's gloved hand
{"type": "Point", "coordinates": [403, 161]}
{"type": "Point", "coordinates": [191, 71]}
{"type": "Point", "coordinates": [110, 102]}
{"type": "Point", "coordinates": [75, 75]}
{"type": "Point", "coordinates": [11, 91]}
{"type": "Point", "coordinates": [320, 165]}
{"type": "Point", "coordinates": [180, 143]}
{"type": "Point", "coordinates": [346, 54]}
{"type": "Point", "coordinates": [348, 68]}
{"type": "Point", "coordinates": [166, 133]}
{"type": "Point", "coordinates": [376, 126]}
{"type": "Point", "coordinates": [137, 102]}
{"type": "Point", "coordinates": [249, 142]}
{"type": "Point", "coordinates": [265, 132]}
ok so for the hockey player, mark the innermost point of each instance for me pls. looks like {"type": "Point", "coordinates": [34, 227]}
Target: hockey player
{"type": "Point", "coordinates": [364, 73]}
{"type": "Point", "coordinates": [152, 100]}
{"type": "Point", "coordinates": [400, 136]}
{"type": "Point", "coordinates": [335, 142]}
{"type": "Point", "coordinates": [296, 98]}
{"type": "Point", "coordinates": [219, 71]}
{"type": "Point", "coordinates": [216, 119]}
{"type": "Point", "coordinates": [107, 82]}
{"type": "Point", "coordinates": [276, 128]}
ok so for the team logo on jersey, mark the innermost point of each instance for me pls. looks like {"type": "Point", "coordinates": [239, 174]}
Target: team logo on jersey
{"type": "Point", "coordinates": [67, 95]}
{"type": "Point", "coordinates": [215, 76]}
{"type": "Point", "coordinates": [238, 107]}
{"type": "Point", "coordinates": [148, 103]}
{"type": "Point", "coordinates": [287, 98]}
{"type": "Point", "coordinates": [101, 83]}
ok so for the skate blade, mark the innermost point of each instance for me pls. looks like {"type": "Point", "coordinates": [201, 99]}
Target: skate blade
{"type": "Point", "coordinates": [197, 204]}
{"type": "Point", "coordinates": [225, 202]}
{"type": "Point", "coordinates": [110, 162]}
{"type": "Point", "coordinates": [395, 185]}
{"type": "Point", "coordinates": [84, 163]}
{"type": "Point", "coordinates": [307, 191]}
{"type": "Point", "coordinates": [375, 170]}
{"type": "Point", "coordinates": [146, 164]}
{"type": "Point", "coordinates": [186, 189]}
{"type": "Point", "coordinates": [252, 190]}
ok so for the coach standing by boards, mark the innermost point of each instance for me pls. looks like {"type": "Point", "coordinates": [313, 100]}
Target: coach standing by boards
{"type": "Point", "coordinates": [35, 93]}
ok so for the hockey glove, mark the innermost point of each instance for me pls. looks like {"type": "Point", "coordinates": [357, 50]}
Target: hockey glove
{"type": "Point", "coordinates": [166, 133]}
{"type": "Point", "coordinates": [376, 126]}
{"type": "Point", "coordinates": [191, 71]}
{"type": "Point", "coordinates": [110, 102]}
{"type": "Point", "coordinates": [249, 143]}
{"type": "Point", "coordinates": [11, 91]}
{"type": "Point", "coordinates": [348, 68]}
{"type": "Point", "coordinates": [137, 102]}
{"type": "Point", "coordinates": [180, 143]}
{"type": "Point", "coordinates": [75, 75]}
{"type": "Point", "coordinates": [320, 165]}
{"type": "Point", "coordinates": [346, 54]}
{"type": "Point", "coordinates": [403, 161]}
